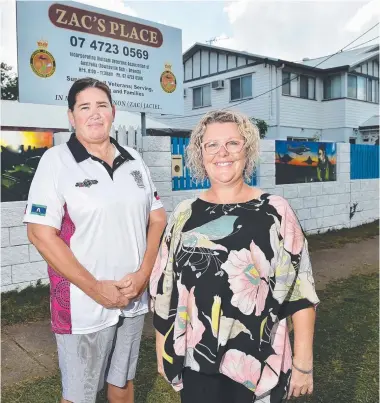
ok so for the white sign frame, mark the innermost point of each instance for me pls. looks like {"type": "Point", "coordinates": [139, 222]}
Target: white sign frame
{"type": "Point", "coordinates": [59, 42]}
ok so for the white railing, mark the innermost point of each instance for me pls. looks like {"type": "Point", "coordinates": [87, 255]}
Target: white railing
{"type": "Point", "coordinates": [130, 137]}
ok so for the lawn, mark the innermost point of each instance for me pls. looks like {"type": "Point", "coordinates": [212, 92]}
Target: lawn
{"type": "Point", "coordinates": [346, 353]}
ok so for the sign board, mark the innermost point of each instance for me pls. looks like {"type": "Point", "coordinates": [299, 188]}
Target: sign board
{"type": "Point", "coordinates": [59, 42]}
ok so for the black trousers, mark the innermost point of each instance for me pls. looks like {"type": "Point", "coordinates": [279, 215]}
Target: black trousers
{"type": "Point", "coordinates": [202, 388]}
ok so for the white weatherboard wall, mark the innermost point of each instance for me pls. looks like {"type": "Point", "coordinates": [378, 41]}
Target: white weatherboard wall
{"type": "Point", "coordinates": [319, 206]}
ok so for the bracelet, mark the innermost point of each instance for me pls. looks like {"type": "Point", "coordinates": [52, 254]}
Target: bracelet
{"type": "Point", "coordinates": [302, 371]}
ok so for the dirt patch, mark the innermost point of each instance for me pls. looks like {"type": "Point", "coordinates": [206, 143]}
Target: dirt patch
{"type": "Point", "coordinates": [352, 258]}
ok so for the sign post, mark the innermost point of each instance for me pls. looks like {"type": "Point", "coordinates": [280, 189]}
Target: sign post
{"type": "Point", "coordinates": [141, 61]}
{"type": "Point", "coordinates": [143, 124]}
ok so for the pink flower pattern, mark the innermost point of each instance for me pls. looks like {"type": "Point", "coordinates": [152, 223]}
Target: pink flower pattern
{"type": "Point", "coordinates": [241, 368]}
{"type": "Point", "coordinates": [281, 361]}
{"type": "Point", "coordinates": [188, 329]}
{"type": "Point", "coordinates": [248, 275]}
{"type": "Point", "coordinates": [290, 229]}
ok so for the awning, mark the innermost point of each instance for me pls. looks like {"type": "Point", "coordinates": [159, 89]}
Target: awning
{"type": "Point", "coordinates": [371, 123]}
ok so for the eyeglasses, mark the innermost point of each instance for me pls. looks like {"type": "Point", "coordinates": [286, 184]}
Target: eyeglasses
{"type": "Point", "coordinates": [231, 146]}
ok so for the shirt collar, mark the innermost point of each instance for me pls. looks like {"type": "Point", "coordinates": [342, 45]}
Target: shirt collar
{"type": "Point", "coordinates": [80, 153]}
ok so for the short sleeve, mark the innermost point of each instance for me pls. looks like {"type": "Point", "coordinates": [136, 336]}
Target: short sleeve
{"type": "Point", "coordinates": [45, 202]}
{"type": "Point", "coordinates": [302, 292]}
{"type": "Point", "coordinates": [156, 202]}
{"type": "Point", "coordinates": [294, 288]}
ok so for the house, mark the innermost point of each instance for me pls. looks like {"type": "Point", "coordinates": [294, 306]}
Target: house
{"type": "Point", "coordinates": [332, 98]}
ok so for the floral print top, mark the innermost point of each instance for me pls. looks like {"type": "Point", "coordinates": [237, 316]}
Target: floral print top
{"type": "Point", "coordinates": [226, 278]}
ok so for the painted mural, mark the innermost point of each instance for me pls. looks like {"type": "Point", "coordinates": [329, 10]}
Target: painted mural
{"type": "Point", "coordinates": [300, 162]}
{"type": "Point", "coordinates": [20, 154]}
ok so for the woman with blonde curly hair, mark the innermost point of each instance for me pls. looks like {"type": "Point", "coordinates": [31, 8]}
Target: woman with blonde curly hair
{"type": "Point", "coordinates": [233, 265]}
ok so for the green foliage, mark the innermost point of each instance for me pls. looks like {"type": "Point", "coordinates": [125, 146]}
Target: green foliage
{"type": "Point", "coordinates": [261, 125]}
{"type": "Point", "coordinates": [9, 83]}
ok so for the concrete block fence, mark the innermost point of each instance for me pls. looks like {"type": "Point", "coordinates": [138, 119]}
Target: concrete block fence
{"type": "Point", "coordinates": [320, 207]}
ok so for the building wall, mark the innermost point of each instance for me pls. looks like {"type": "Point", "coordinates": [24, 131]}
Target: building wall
{"type": "Point", "coordinates": [333, 113]}
{"type": "Point", "coordinates": [302, 113]}
{"type": "Point", "coordinates": [357, 112]}
{"type": "Point", "coordinates": [287, 116]}
{"type": "Point", "coordinates": [263, 107]}
{"type": "Point", "coordinates": [319, 206]}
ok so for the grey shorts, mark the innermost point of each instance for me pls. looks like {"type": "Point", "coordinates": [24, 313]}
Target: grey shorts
{"type": "Point", "coordinates": [86, 361]}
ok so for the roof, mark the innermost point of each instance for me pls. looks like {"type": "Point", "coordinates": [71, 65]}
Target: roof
{"type": "Point", "coordinates": [197, 46]}
{"type": "Point", "coordinates": [345, 59]}
{"type": "Point", "coordinates": [371, 122]}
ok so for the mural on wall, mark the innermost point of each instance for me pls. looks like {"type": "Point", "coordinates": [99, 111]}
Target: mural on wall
{"type": "Point", "coordinates": [20, 154]}
{"type": "Point", "coordinates": [299, 162]}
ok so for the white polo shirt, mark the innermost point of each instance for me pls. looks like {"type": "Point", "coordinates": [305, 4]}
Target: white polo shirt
{"type": "Point", "coordinates": [102, 213]}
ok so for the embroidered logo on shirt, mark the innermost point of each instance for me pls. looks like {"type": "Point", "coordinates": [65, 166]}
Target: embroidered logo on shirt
{"type": "Point", "coordinates": [137, 176]}
{"type": "Point", "coordinates": [86, 183]}
{"type": "Point", "coordinates": [156, 196]}
{"type": "Point", "coordinates": [37, 209]}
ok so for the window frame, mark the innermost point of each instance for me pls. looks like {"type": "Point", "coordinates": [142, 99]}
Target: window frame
{"type": "Point", "coordinates": [201, 87]}
{"type": "Point", "coordinates": [240, 87]}
{"type": "Point", "coordinates": [325, 98]}
{"type": "Point", "coordinates": [374, 84]}
{"type": "Point", "coordinates": [298, 79]}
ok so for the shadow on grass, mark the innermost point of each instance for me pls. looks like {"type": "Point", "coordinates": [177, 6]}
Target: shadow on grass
{"type": "Point", "coordinates": [339, 238]}
{"type": "Point", "coordinates": [29, 305]}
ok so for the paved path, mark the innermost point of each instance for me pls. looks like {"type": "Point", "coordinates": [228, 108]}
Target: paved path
{"type": "Point", "coordinates": [29, 350]}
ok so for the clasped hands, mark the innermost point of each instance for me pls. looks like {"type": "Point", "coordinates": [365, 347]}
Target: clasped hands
{"type": "Point", "coordinates": [118, 294]}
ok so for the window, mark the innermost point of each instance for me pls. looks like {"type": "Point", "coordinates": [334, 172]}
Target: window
{"type": "Point", "coordinates": [289, 84]}
{"type": "Point", "coordinates": [351, 90]}
{"type": "Point", "coordinates": [298, 85]}
{"type": "Point", "coordinates": [376, 68]}
{"type": "Point", "coordinates": [332, 87]}
{"type": "Point", "coordinates": [375, 91]}
{"type": "Point", "coordinates": [241, 87]}
{"type": "Point", "coordinates": [370, 68]}
{"type": "Point", "coordinates": [362, 88]}
{"type": "Point", "coordinates": [369, 90]}
{"type": "Point", "coordinates": [202, 96]}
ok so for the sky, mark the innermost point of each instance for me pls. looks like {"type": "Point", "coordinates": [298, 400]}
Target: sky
{"type": "Point", "coordinates": [289, 30]}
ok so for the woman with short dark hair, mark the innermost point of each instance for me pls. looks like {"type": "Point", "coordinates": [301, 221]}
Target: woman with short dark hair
{"type": "Point", "coordinates": [95, 216]}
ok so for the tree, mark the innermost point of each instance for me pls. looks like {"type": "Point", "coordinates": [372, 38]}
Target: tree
{"type": "Point", "coordinates": [261, 125]}
{"type": "Point", "coordinates": [9, 83]}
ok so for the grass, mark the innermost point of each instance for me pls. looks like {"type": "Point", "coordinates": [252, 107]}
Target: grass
{"type": "Point", "coordinates": [339, 238]}
{"type": "Point", "coordinates": [29, 305]}
{"type": "Point", "coordinates": [346, 353]}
